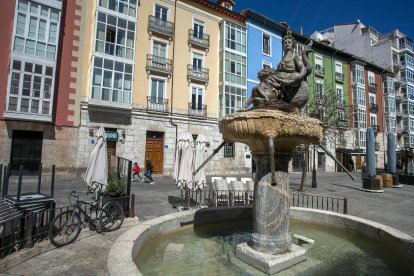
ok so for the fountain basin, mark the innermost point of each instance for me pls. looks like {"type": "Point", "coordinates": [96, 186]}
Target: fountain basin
{"type": "Point", "coordinates": [125, 249]}
{"type": "Point", "coordinates": [286, 128]}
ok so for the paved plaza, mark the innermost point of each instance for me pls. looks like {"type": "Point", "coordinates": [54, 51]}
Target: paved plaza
{"type": "Point", "coordinates": [87, 256]}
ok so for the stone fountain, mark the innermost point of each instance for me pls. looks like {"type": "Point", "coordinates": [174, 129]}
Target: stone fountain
{"type": "Point", "coordinates": [272, 128]}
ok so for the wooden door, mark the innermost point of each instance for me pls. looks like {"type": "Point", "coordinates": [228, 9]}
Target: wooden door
{"type": "Point", "coordinates": [110, 151]}
{"type": "Point", "coordinates": [358, 166]}
{"type": "Point", "coordinates": [155, 149]}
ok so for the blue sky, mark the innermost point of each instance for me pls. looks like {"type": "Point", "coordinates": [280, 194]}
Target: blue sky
{"type": "Point", "coordinates": [382, 15]}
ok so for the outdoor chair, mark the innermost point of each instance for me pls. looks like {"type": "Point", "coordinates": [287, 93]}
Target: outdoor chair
{"type": "Point", "coordinates": [249, 190]}
{"type": "Point", "coordinates": [230, 179]}
{"type": "Point", "coordinates": [221, 191]}
{"type": "Point", "coordinates": [238, 192]}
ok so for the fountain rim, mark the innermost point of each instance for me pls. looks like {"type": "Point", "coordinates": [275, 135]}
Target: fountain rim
{"type": "Point", "coordinates": [123, 252]}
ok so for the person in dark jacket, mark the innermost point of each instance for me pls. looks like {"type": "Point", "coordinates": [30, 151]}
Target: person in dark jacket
{"type": "Point", "coordinates": [148, 166]}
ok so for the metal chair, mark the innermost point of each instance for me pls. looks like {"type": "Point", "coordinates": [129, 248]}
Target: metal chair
{"type": "Point", "coordinates": [221, 190]}
{"type": "Point", "coordinates": [230, 179]}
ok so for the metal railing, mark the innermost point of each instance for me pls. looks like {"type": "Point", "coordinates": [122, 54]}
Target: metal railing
{"type": "Point", "coordinates": [23, 232]}
{"type": "Point", "coordinates": [375, 128]}
{"type": "Point", "coordinates": [339, 77]}
{"type": "Point", "coordinates": [327, 203]}
{"type": "Point", "coordinates": [159, 64]}
{"type": "Point", "coordinates": [212, 198]}
{"type": "Point", "coordinates": [199, 39]}
{"type": "Point", "coordinates": [197, 110]}
{"type": "Point", "coordinates": [160, 26]}
{"type": "Point", "coordinates": [157, 104]}
{"type": "Point", "coordinates": [372, 87]}
{"type": "Point", "coordinates": [373, 108]}
{"type": "Point", "coordinates": [319, 70]}
{"type": "Point", "coordinates": [197, 73]}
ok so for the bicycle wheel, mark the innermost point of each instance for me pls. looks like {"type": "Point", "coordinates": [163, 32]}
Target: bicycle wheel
{"type": "Point", "coordinates": [65, 228]}
{"type": "Point", "coordinates": [111, 216]}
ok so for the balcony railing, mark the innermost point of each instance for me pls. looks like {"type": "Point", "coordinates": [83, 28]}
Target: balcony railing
{"type": "Point", "coordinates": [159, 26]}
{"type": "Point", "coordinates": [198, 39]}
{"type": "Point", "coordinates": [340, 104]}
{"type": "Point", "coordinates": [197, 73]}
{"type": "Point", "coordinates": [157, 104]}
{"type": "Point", "coordinates": [342, 123]}
{"type": "Point", "coordinates": [319, 70]}
{"type": "Point", "coordinates": [339, 77]}
{"type": "Point", "coordinates": [377, 146]}
{"type": "Point", "coordinates": [360, 144]}
{"type": "Point", "coordinates": [375, 128]}
{"type": "Point", "coordinates": [373, 108]}
{"type": "Point", "coordinates": [159, 64]}
{"type": "Point", "coordinates": [372, 87]}
{"type": "Point", "coordinates": [197, 110]}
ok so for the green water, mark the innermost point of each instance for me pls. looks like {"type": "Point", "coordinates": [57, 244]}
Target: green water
{"type": "Point", "coordinates": [210, 250]}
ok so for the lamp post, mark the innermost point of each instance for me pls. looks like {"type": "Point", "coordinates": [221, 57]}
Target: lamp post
{"type": "Point", "coordinates": [314, 183]}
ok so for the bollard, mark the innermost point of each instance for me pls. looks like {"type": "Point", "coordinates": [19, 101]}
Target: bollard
{"type": "Point", "coordinates": [132, 206]}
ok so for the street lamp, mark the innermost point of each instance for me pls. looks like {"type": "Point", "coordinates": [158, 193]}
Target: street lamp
{"type": "Point", "coordinates": [314, 183]}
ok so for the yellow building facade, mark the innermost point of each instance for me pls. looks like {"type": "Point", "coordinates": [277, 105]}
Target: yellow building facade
{"type": "Point", "coordinates": [149, 71]}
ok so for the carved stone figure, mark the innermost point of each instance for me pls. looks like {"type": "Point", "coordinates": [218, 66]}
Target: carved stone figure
{"type": "Point", "coordinates": [284, 87]}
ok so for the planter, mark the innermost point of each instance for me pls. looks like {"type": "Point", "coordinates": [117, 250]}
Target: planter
{"type": "Point", "coordinates": [123, 200]}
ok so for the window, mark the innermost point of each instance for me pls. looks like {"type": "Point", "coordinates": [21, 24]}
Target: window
{"type": "Point", "coordinates": [229, 150]}
{"type": "Point", "coordinates": [235, 68]}
{"type": "Point", "coordinates": [339, 96]}
{"type": "Point", "coordinates": [157, 90]}
{"type": "Point", "coordinates": [266, 45]}
{"type": "Point", "coordinates": [338, 67]}
{"type": "Point", "coordinates": [390, 86]}
{"type": "Point", "coordinates": [161, 13]}
{"type": "Point", "coordinates": [341, 115]}
{"type": "Point", "coordinates": [111, 81]}
{"type": "Point", "coordinates": [159, 52]}
{"type": "Point", "coordinates": [371, 78]}
{"type": "Point", "coordinates": [409, 60]}
{"type": "Point", "coordinates": [235, 37]}
{"type": "Point", "coordinates": [197, 94]}
{"type": "Point", "coordinates": [373, 119]}
{"type": "Point", "coordinates": [390, 104]}
{"type": "Point", "coordinates": [410, 75]}
{"type": "Point", "coordinates": [126, 7]}
{"type": "Point", "coordinates": [31, 88]}
{"type": "Point", "coordinates": [360, 138]}
{"type": "Point", "coordinates": [319, 90]}
{"type": "Point", "coordinates": [114, 36]}
{"type": "Point", "coordinates": [234, 98]}
{"type": "Point", "coordinates": [198, 27]}
{"type": "Point", "coordinates": [410, 92]}
{"type": "Point", "coordinates": [360, 96]}
{"type": "Point", "coordinates": [198, 62]}
{"type": "Point", "coordinates": [359, 75]}
{"type": "Point", "coordinates": [391, 123]}
{"type": "Point", "coordinates": [36, 31]}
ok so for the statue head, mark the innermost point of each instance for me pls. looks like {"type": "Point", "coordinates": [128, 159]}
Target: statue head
{"type": "Point", "coordinates": [288, 40]}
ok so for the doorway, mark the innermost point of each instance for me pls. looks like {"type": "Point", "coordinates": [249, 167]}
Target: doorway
{"type": "Point", "coordinates": [155, 149]}
{"type": "Point", "coordinates": [321, 161]}
{"type": "Point", "coordinates": [26, 150]}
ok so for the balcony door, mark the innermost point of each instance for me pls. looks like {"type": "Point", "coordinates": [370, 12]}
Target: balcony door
{"type": "Point", "coordinates": [198, 65]}
{"type": "Point", "coordinates": [161, 14]}
{"type": "Point", "coordinates": [197, 94]}
{"type": "Point", "coordinates": [198, 27]}
{"type": "Point", "coordinates": [157, 101]}
{"type": "Point", "coordinates": [159, 52]}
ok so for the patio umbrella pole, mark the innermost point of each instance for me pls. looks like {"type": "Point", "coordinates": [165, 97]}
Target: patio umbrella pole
{"type": "Point", "coordinates": [337, 162]}
{"type": "Point", "coordinates": [211, 156]}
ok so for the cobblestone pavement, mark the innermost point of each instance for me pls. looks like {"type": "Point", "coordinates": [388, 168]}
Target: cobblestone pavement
{"type": "Point", "coordinates": [88, 256]}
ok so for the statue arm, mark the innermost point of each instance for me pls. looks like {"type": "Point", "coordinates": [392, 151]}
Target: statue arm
{"type": "Point", "coordinates": [300, 66]}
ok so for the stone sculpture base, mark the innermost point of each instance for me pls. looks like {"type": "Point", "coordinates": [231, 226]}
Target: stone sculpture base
{"type": "Point", "coordinates": [268, 263]}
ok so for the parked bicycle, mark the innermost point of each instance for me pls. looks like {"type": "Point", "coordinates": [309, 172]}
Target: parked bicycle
{"type": "Point", "coordinates": [66, 226]}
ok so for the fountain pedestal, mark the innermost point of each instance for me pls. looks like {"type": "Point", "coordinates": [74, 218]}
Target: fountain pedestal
{"type": "Point", "coordinates": [270, 248]}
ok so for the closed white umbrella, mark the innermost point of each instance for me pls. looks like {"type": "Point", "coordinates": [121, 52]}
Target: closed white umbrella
{"type": "Point", "coordinates": [97, 170]}
{"type": "Point", "coordinates": [184, 161]}
{"type": "Point", "coordinates": [199, 157]}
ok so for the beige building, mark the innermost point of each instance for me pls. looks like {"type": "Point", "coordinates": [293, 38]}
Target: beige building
{"type": "Point", "coordinates": [146, 79]}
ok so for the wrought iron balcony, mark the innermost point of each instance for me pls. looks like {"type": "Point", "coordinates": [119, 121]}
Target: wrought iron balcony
{"type": "Point", "coordinates": [198, 39]}
{"type": "Point", "coordinates": [197, 73]}
{"type": "Point", "coordinates": [342, 123]}
{"type": "Point", "coordinates": [339, 77]}
{"type": "Point", "coordinates": [375, 128]}
{"type": "Point", "coordinates": [159, 65]}
{"type": "Point", "coordinates": [372, 87]}
{"type": "Point", "coordinates": [340, 104]}
{"type": "Point", "coordinates": [156, 104]}
{"type": "Point", "coordinates": [197, 110]}
{"type": "Point", "coordinates": [319, 70]}
{"type": "Point", "coordinates": [320, 100]}
{"type": "Point", "coordinates": [159, 26]}
{"type": "Point", "coordinates": [373, 108]}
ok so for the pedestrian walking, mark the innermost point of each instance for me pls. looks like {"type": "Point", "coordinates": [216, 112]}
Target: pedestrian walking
{"type": "Point", "coordinates": [136, 171]}
{"type": "Point", "coordinates": [148, 166]}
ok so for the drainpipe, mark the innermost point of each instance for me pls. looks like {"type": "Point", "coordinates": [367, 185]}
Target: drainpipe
{"type": "Point", "coordinates": [172, 81]}
{"type": "Point", "coordinates": [383, 115]}
{"type": "Point", "coordinates": [333, 69]}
